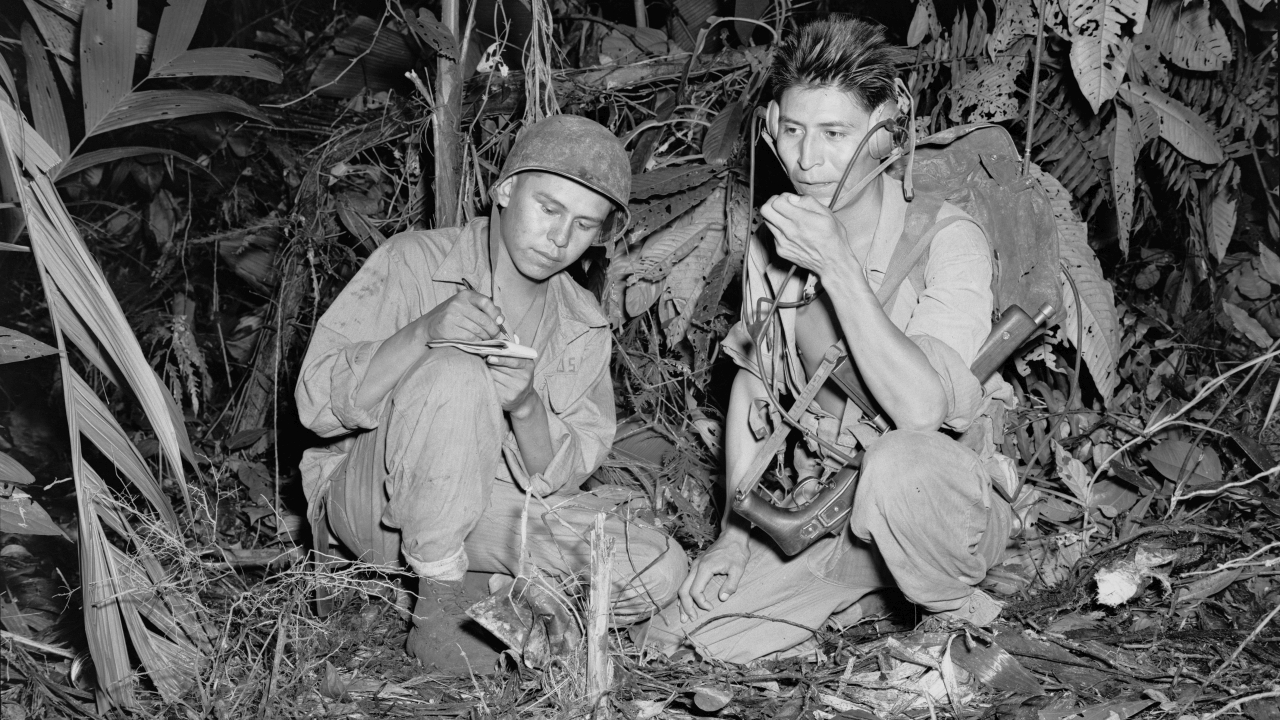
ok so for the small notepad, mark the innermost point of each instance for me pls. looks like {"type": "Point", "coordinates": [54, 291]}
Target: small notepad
{"type": "Point", "coordinates": [501, 348]}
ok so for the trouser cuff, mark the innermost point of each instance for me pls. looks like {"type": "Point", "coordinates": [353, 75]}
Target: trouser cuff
{"type": "Point", "coordinates": [450, 569]}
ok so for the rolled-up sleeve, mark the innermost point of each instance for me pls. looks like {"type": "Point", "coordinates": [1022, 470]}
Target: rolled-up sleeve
{"type": "Point", "coordinates": [372, 307]}
{"type": "Point", "coordinates": [581, 418]}
{"type": "Point", "coordinates": [953, 316]}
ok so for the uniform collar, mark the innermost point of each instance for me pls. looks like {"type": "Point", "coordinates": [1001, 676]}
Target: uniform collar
{"type": "Point", "coordinates": [468, 258]}
{"type": "Point", "coordinates": [570, 314]}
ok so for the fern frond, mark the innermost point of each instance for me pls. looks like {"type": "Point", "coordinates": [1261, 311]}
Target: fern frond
{"type": "Point", "coordinates": [1241, 97]}
{"type": "Point", "coordinates": [1175, 169]}
{"type": "Point", "coordinates": [1069, 143]}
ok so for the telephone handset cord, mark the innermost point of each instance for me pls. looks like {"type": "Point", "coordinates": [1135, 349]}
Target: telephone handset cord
{"type": "Point", "coordinates": [777, 300]}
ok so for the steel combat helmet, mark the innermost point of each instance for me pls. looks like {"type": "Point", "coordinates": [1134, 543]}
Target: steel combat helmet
{"type": "Point", "coordinates": [579, 149]}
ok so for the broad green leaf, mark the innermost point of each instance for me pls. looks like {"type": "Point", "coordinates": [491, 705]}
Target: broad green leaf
{"type": "Point", "coordinates": [60, 38]}
{"type": "Point", "coordinates": [12, 471]}
{"type": "Point", "coordinates": [28, 145]}
{"type": "Point", "coordinates": [106, 57]}
{"type": "Point", "coordinates": [1123, 179]}
{"type": "Point", "coordinates": [434, 33]}
{"type": "Point", "coordinates": [669, 180]}
{"type": "Point", "coordinates": [923, 24]}
{"type": "Point", "coordinates": [1176, 459]}
{"type": "Point", "coordinates": [1100, 336]}
{"type": "Point", "coordinates": [42, 88]}
{"type": "Point", "coordinates": [1017, 19]}
{"type": "Point", "coordinates": [22, 515]}
{"type": "Point", "coordinates": [1188, 36]}
{"type": "Point", "coordinates": [652, 215]}
{"type": "Point", "coordinates": [236, 62]}
{"type": "Point", "coordinates": [1179, 124]}
{"type": "Point", "coordinates": [103, 624]}
{"type": "Point", "coordinates": [1258, 5]}
{"type": "Point", "coordinates": [684, 284]}
{"type": "Point", "coordinates": [7, 80]}
{"type": "Point", "coordinates": [641, 296]}
{"type": "Point", "coordinates": [160, 105]}
{"type": "Point", "coordinates": [722, 136]}
{"type": "Point", "coordinates": [97, 423]}
{"type": "Point", "coordinates": [97, 157]}
{"type": "Point", "coordinates": [16, 346]}
{"type": "Point", "coordinates": [1204, 588]}
{"type": "Point", "coordinates": [1073, 474]}
{"type": "Point", "coordinates": [178, 25]}
{"type": "Point", "coordinates": [1244, 324]}
{"type": "Point", "coordinates": [1101, 40]}
{"type": "Point", "coordinates": [1268, 264]}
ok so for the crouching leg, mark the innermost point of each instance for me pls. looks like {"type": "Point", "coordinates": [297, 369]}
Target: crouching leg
{"type": "Point", "coordinates": [926, 503]}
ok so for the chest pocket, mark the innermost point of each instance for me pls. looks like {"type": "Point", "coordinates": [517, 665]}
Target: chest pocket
{"type": "Point", "coordinates": [562, 389]}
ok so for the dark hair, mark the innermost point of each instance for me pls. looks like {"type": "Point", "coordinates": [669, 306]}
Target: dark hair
{"type": "Point", "coordinates": [840, 52]}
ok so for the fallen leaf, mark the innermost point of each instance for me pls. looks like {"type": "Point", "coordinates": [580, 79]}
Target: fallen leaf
{"type": "Point", "coordinates": [333, 686]}
{"type": "Point", "coordinates": [1114, 710]}
{"type": "Point", "coordinates": [712, 699]}
{"type": "Point", "coordinates": [994, 666]}
{"type": "Point", "coordinates": [646, 709]}
{"type": "Point", "coordinates": [1204, 588]}
{"type": "Point", "coordinates": [1246, 325]}
{"type": "Point", "coordinates": [1202, 466]}
{"type": "Point", "coordinates": [1268, 264]}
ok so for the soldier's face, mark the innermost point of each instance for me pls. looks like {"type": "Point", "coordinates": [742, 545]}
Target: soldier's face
{"type": "Point", "coordinates": [549, 221]}
{"type": "Point", "coordinates": [816, 133]}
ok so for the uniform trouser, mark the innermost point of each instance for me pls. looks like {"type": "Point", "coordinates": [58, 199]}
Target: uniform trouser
{"type": "Point", "coordinates": [425, 484]}
{"type": "Point", "coordinates": [924, 520]}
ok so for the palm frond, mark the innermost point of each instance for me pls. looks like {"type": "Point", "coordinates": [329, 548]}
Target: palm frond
{"type": "Point", "coordinates": [128, 595]}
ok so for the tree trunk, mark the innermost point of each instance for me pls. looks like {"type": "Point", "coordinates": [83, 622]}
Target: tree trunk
{"type": "Point", "coordinates": [448, 141]}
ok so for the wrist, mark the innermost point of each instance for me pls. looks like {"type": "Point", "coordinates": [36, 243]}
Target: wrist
{"type": "Point", "coordinates": [733, 534]}
{"type": "Point", "coordinates": [846, 281]}
{"type": "Point", "coordinates": [526, 407]}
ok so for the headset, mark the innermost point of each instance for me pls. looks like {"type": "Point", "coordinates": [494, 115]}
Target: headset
{"type": "Point", "coordinates": [886, 140]}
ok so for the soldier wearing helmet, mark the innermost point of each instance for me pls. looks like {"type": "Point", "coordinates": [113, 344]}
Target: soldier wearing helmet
{"type": "Point", "coordinates": [435, 453]}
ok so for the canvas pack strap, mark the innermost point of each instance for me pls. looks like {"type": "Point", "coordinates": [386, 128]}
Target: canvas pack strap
{"type": "Point", "coordinates": [912, 245]}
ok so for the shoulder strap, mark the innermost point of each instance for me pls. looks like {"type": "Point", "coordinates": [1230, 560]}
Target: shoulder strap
{"type": "Point", "coordinates": [918, 230]}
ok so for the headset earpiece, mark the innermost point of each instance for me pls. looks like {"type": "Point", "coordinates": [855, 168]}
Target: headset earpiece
{"type": "Point", "coordinates": [772, 113]}
{"type": "Point", "coordinates": [882, 142]}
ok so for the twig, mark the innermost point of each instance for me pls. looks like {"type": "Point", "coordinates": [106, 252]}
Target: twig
{"type": "Point", "coordinates": [1035, 89]}
{"type": "Point", "coordinates": [1273, 692]}
{"type": "Point", "coordinates": [1240, 648]}
{"type": "Point", "coordinates": [1228, 486]}
{"type": "Point", "coordinates": [598, 670]}
{"type": "Point", "coordinates": [1238, 562]}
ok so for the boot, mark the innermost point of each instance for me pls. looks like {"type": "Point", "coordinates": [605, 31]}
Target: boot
{"type": "Point", "coordinates": [439, 639]}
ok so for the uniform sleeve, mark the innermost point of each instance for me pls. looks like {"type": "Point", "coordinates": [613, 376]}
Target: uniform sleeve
{"type": "Point", "coordinates": [581, 418]}
{"type": "Point", "coordinates": [378, 301]}
{"type": "Point", "coordinates": [953, 316]}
